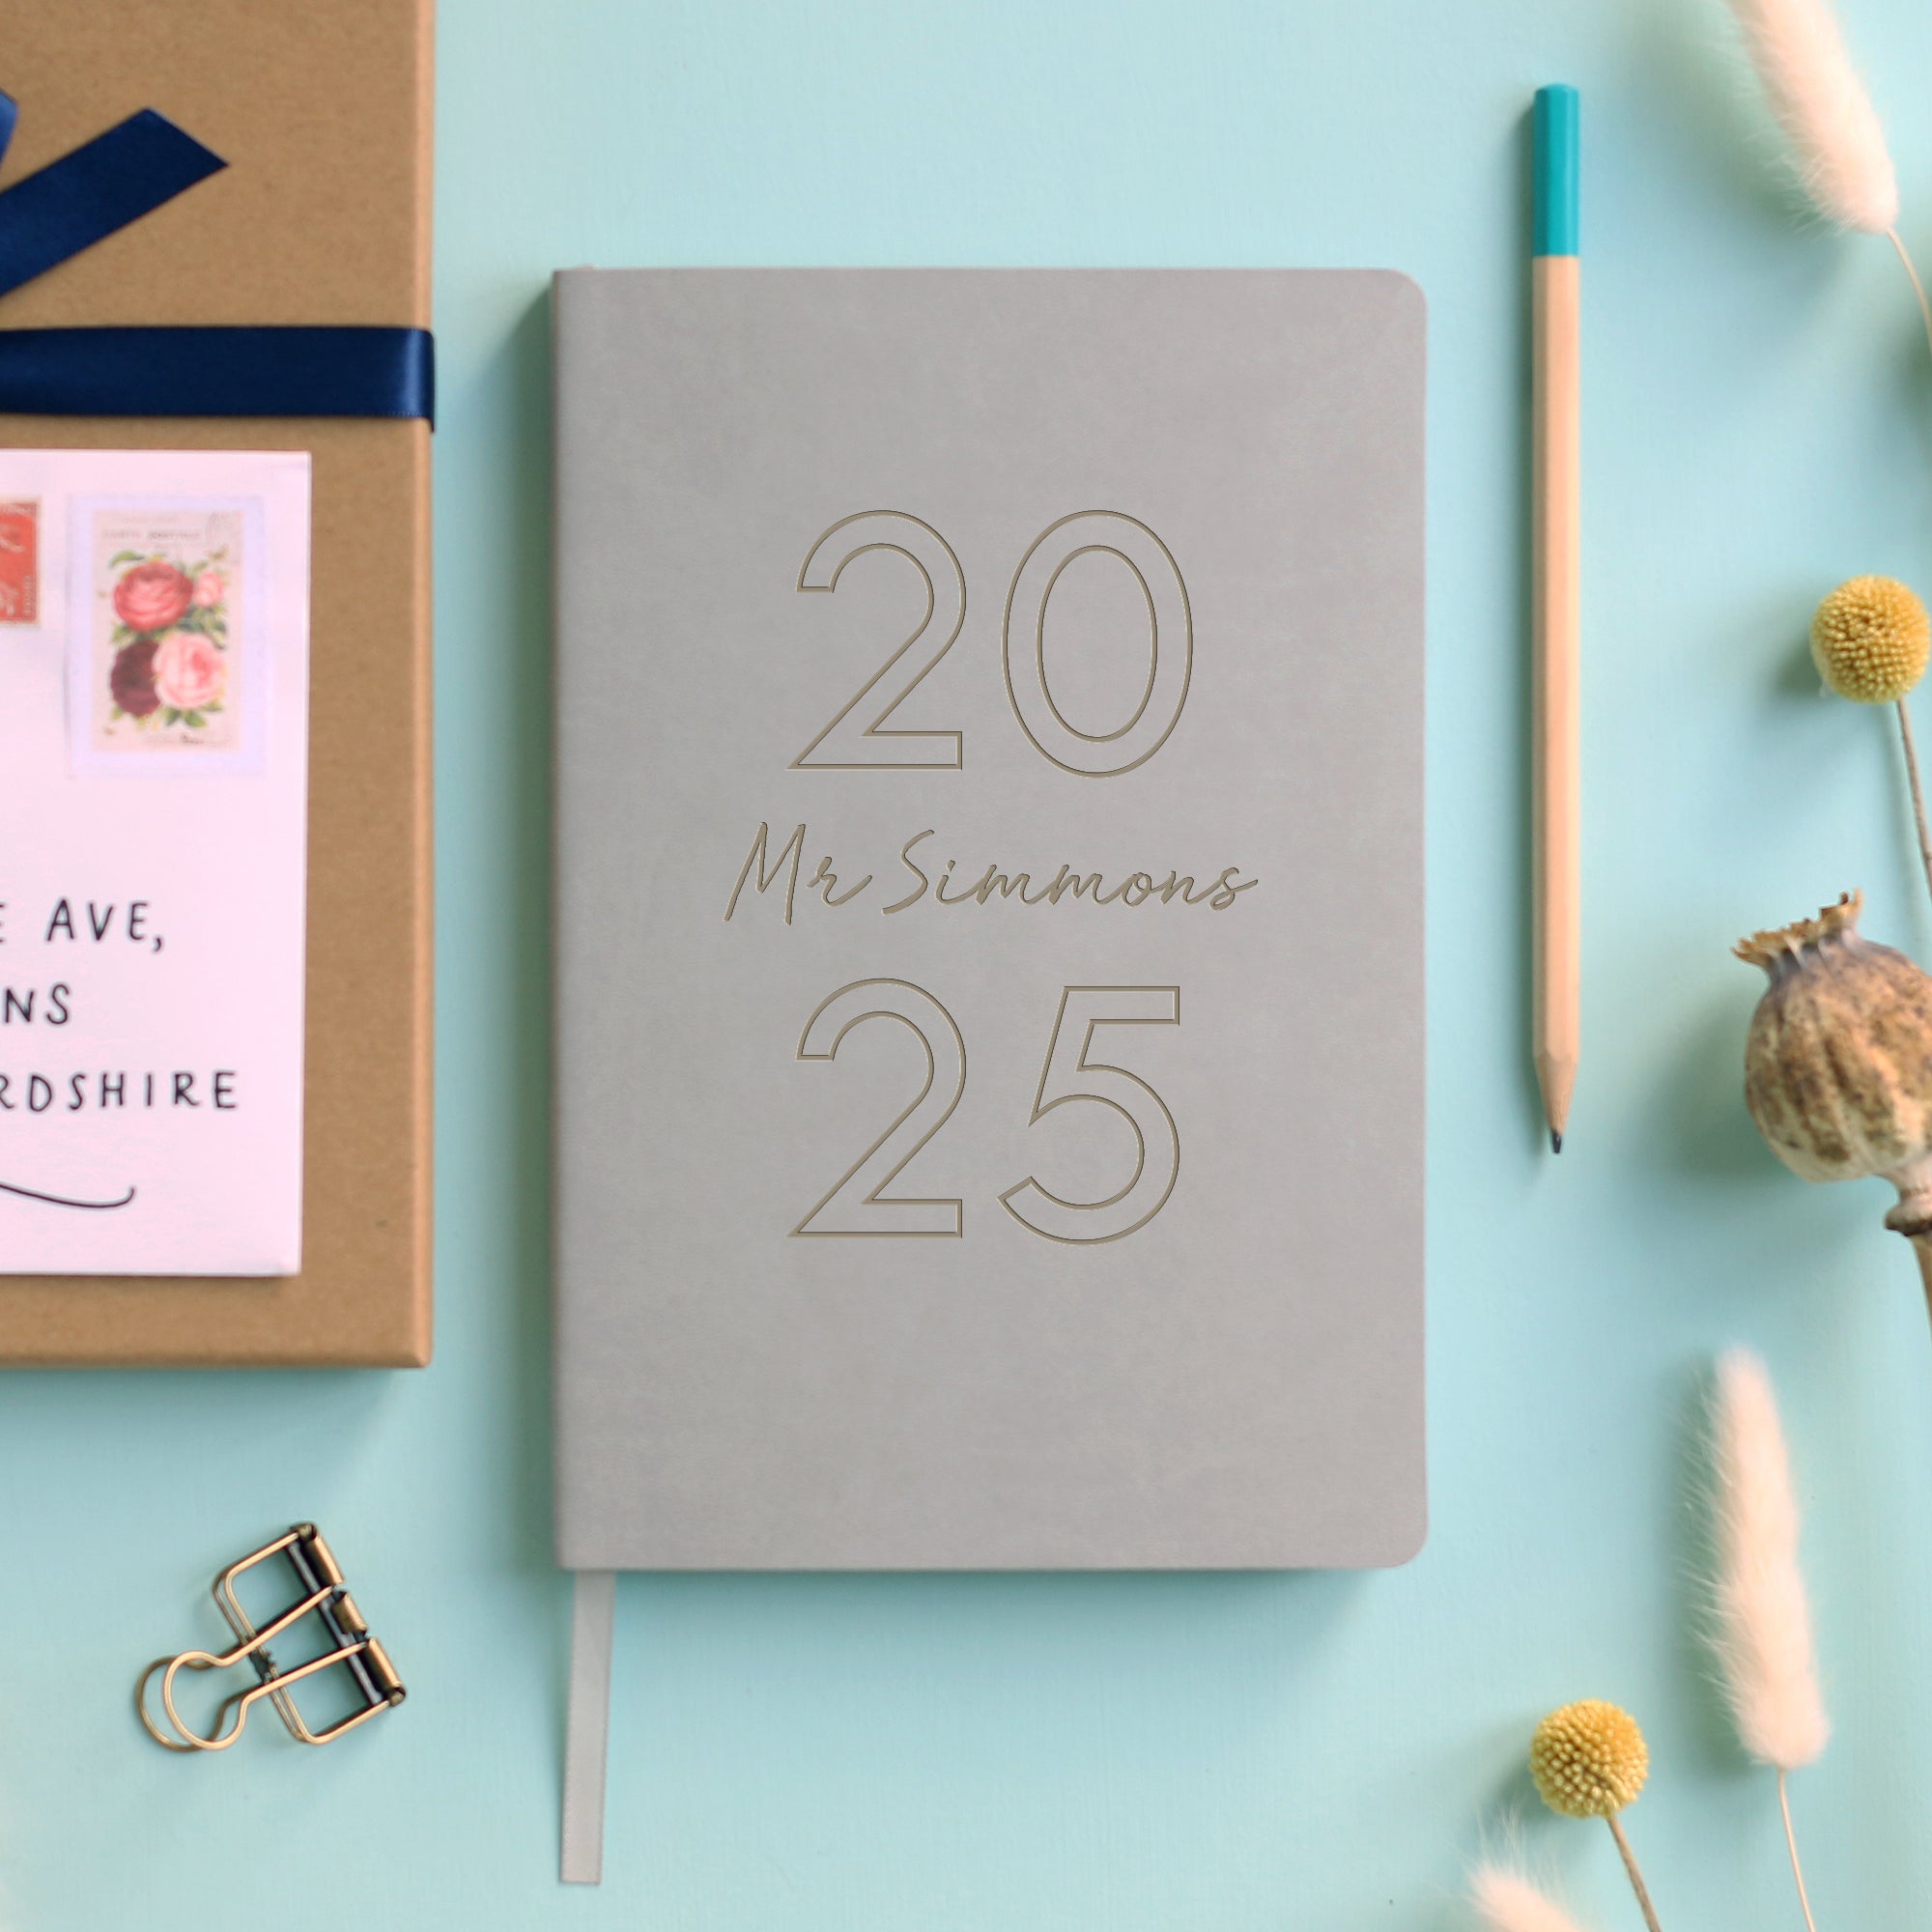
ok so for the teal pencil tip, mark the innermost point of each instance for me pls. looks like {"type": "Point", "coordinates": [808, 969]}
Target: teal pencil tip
{"type": "Point", "coordinates": [1555, 1140]}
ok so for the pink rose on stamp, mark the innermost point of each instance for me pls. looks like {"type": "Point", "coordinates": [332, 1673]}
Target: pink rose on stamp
{"type": "Point", "coordinates": [211, 590]}
{"type": "Point", "coordinates": [189, 672]}
{"type": "Point", "coordinates": [152, 596]}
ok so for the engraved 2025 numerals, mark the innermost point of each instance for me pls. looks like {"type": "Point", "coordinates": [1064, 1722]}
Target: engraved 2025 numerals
{"type": "Point", "coordinates": [857, 1204]}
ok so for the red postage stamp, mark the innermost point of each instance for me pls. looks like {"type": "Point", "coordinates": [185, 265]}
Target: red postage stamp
{"type": "Point", "coordinates": [19, 560]}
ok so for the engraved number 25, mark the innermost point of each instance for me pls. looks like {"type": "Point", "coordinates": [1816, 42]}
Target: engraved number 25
{"type": "Point", "coordinates": [857, 1203]}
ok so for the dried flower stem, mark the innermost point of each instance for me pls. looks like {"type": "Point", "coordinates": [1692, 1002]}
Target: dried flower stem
{"type": "Point", "coordinates": [1791, 1843]}
{"type": "Point", "coordinates": [1918, 287]}
{"type": "Point", "coordinates": [1637, 1884]}
{"type": "Point", "coordinates": [1898, 241]}
{"type": "Point", "coordinates": [1921, 1247]}
{"type": "Point", "coordinates": [1918, 792]}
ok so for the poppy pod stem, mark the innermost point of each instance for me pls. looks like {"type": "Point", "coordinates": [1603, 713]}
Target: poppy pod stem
{"type": "Point", "coordinates": [1921, 1246]}
{"type": "Point", "coordinates": [1912, 1217]}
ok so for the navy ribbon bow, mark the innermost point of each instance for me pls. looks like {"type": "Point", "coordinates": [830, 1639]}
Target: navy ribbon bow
{"type": "Point", "coordinates": [117, 177]}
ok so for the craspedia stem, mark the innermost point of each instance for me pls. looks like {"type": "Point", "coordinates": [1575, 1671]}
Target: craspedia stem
{"type": "Point", "coordinates": [1898, 241]}
{"type": "Point", "coordinates": [1918, 792]}
{"type": "Point", "coordinates": [1637, 1884]}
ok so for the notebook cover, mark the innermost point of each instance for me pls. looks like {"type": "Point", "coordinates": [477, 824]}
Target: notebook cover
{"type": "Point", "coordinates": [321, 215]}
{"type": "Point", "coordinates": [989, 965]}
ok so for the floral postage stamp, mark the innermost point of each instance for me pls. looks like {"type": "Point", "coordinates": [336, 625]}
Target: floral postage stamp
{"type": "Point", "coordinates": [19, 560]}
{"type": "Point", "coordinates": [167, 649]}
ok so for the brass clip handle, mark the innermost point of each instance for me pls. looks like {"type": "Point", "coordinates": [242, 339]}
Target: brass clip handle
{"type": "Point", "coordinates": [187, 1739]}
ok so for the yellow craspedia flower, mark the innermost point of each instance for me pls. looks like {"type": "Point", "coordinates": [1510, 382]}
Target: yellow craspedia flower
{"type": "Point", "coordinates": [1870, 640]}
{"type": "Point", "coordinates": [1589, 1760]}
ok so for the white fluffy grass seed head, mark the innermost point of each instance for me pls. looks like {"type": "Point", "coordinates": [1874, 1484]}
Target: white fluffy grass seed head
{"type": "Point", "coordinates": [1506, 1901]}
{"type": "Point", "coordinates": [1763, 1621]}
{"type": "Point", "coordinates": [1837, 140]}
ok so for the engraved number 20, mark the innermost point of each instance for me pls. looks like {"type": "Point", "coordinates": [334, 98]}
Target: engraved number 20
{"type": "Point", "coordinates": [853, 741]}
{"type": "Point", "coordinates": [857, 1203]}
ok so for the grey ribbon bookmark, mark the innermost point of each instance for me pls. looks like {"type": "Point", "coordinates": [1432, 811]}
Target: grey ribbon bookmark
{"type": "Point", "coordinates": [588, 1730]}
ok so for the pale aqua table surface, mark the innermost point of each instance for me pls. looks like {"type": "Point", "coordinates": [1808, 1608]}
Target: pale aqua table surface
{"type": "Point", "coordinates": [1150, 1754]}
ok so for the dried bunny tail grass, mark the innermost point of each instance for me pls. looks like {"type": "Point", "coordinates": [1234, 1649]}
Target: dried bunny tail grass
{"type": "Point", "coordinates": [1763, 1619]}
{"type": "Point", "coordinates": [1837, 140]}
{"type": "Point", "coordinates": [1763, 1625]}
{"type": "Point", "coordinates": [1506, 1901]}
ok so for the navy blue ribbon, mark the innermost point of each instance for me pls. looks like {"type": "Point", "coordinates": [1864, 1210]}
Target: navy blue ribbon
{"type": "Point", "coordinates": [102, 185]}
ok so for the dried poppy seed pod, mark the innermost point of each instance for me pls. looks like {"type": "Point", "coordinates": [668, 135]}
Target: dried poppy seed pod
{"type": "Point", "coordinates": [1839, 1066]}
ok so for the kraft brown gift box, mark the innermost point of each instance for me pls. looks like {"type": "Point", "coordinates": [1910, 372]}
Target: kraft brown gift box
{"type": "Point", "coordinates": [322, 113]}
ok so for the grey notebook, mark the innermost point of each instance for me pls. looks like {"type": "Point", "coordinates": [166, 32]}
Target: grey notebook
{"type": "Point", "coordinates": [989, 943]}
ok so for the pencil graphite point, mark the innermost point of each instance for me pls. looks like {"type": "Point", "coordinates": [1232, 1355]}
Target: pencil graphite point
{"type": "Point", "coordinates": [1556, 1077]}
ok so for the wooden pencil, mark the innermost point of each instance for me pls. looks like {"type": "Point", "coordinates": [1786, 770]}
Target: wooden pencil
{"type": "Point", "coordinates": [1556, 606]}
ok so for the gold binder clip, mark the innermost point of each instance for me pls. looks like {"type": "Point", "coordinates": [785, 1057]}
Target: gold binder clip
{"type": "Point", "coordinates": [375, 1685]}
